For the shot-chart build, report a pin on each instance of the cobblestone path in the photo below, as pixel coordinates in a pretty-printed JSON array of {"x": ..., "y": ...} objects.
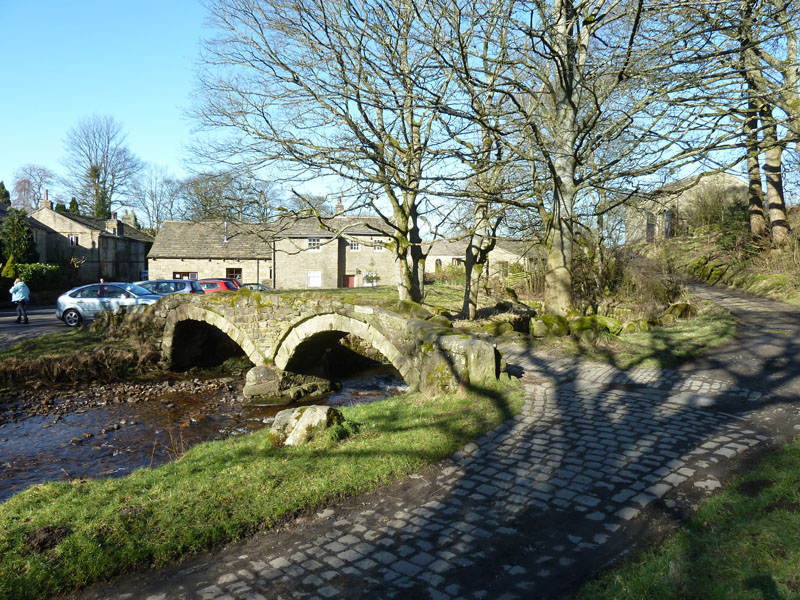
[{"x": 598, "y": 460}]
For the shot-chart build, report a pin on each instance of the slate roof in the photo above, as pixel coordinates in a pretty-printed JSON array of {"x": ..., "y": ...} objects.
[
  {"x": 189, "y": 239},
  {"x": 204, "y": 239},
  {"x": 348, "y": 225},
  {"x": 100, "y": 224}
]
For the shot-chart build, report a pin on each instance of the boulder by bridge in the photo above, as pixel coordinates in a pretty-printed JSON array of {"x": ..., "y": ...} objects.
[{"x": 289, "y": 337}]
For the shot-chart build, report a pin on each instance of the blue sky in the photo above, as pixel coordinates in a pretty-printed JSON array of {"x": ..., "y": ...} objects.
[{"x": 62, "y": 61}]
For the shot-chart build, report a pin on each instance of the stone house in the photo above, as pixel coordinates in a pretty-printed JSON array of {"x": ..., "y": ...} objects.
[
  {"x": 665, "y": 212},
  {"x": 107, "y": 248},
  {"x": 285, "y": 254},
  {"x": 502, "y": 257}
]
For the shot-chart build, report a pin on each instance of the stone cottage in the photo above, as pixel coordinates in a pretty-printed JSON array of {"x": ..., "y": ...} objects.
[
  {"x": 107, "y": 248},
  {"x": 284, "y": 254},
  {"x": 502, "y": 257},
  {"x": 664, "y": 212}
]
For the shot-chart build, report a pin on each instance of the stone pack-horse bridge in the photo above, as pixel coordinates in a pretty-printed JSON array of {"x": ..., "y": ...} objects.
[{"x": 289, "y": 338}]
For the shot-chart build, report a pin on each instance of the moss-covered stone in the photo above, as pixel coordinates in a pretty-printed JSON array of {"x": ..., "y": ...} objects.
[
  {"x": 498, "y": 327},
  {"x": 587, "y": 328},
  {"x": 682, "y": 310},
  {"x": 549, "y": 326},
  {"x": 297, "y": 426},
  {"x": 636, "y": 326}
]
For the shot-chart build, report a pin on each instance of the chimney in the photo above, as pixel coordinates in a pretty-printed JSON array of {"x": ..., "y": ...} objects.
[
  {"x": 113, "y": 216},
  {"x": 339, "y": 207},
  {"x": 47, "y": 202}
]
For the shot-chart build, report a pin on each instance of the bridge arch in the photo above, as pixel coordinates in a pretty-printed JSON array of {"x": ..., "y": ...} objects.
[
  {"x": 328, "y": 323},
  {"x": 188, "y": 312}
]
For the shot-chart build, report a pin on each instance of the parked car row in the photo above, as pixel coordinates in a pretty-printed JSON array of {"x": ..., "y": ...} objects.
[{"x": 82, "y": 303}]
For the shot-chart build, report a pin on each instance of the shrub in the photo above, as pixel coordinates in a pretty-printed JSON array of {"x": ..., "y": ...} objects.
[
  {"x": 40, "y": 276},
  {"x": 10, "y": 269}
]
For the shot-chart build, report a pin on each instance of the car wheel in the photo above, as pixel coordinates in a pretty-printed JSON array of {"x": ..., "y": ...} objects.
[{"x": 72, "y": 318}]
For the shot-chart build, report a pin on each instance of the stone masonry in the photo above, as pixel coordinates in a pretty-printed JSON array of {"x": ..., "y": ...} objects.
[{"x": 274, "y": 329}]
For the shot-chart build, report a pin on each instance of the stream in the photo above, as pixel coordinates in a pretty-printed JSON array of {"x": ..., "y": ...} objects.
[{"x": 119, "y": 437}]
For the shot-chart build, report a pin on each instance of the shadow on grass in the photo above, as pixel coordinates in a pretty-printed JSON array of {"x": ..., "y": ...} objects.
[{"x": 539, "y": 507}]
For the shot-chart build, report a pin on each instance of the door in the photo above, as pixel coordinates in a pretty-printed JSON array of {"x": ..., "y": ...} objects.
[
  {"x": 314, "y": 279},
  {"x": 349, "y": 281}
]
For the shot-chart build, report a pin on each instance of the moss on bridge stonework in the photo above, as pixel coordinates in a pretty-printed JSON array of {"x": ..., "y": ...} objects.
[{"x": 277, "y": 330}]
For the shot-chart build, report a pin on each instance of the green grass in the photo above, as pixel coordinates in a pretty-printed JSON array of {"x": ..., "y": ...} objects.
[
  {"x": 741, "y": 545},
  {"x": 670, "y": 345},
  {"x": 665, "y": 346},
  {"x": 222, "y": 491},
  {"x": 56, "y": 344}
]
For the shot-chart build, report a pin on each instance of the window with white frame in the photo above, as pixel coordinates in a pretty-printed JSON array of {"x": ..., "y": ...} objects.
[
  {"x": 73, "y": 240},
  {"x": 378, "y": 244},
  {"x": 313, "y": 243},
  {"x": 354, "y": 245}
]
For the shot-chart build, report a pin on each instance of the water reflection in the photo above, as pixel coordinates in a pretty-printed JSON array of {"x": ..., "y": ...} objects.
[{"x": 115, "y": 439}]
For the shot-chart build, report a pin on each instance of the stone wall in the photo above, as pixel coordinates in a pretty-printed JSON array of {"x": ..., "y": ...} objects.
[
  {"x": 253, "y": 270},
  {"x": 294, "y": 261}
]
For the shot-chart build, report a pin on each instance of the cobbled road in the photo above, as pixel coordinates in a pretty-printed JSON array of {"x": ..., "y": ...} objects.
[{"x": 599, "y": 462}]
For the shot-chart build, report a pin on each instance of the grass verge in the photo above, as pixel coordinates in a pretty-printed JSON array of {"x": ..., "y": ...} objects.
[
  {"x": 59, "y": 536},
  {"x": 664, "y": 346},
  {"x": 742, "y": 544},
  {"x": 56, "y": 344}
]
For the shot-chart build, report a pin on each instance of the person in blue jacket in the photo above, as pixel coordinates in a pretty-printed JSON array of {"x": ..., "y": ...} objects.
[{"x": 20, "y": 294}]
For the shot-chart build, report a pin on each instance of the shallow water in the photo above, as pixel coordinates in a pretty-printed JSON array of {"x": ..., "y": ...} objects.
[{"x": 116, "y": 439}]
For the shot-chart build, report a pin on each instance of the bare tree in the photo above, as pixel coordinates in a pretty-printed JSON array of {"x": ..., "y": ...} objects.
[
  {"x": 30, "y": 183},
  {"x": 325, "y": 88},
  {"x": 594, "y": 100},
  {"x": 100, "y": 167},
  {"x": 753, "y": 44},
  {"x": 229, "y": 196},
  {"x": 157, "y": 196}
]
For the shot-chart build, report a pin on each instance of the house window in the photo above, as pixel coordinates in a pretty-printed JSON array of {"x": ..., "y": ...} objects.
[
  {"x": 73, "y": 240},
  {"x": 438, "y": 265},
  {"x": 314, "y": 279},
  {"x": 234, "y": 273},
  {"x": 183, "y": 275},
  {"x": 370, "y": 279},
  {"x": 313, "y": 243},
  {"x": 354, "y": 245},
  {"x": 378, "y": 247}
]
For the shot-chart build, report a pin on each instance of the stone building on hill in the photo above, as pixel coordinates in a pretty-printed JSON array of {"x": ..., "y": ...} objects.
[{"x": 666, "y": 211}]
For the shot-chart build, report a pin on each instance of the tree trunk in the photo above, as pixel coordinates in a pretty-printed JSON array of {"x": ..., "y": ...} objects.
[
  {"x": 481, "y": 242},
  {"x": 558, "y": 277},
  {"x": 755, "y": 193},
  {"x": 773, "y": 156}
]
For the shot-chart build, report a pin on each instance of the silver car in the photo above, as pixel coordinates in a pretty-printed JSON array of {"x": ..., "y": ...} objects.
[
  {"x": 171, "y": 286},
  {"x": 83, "y": 303}
]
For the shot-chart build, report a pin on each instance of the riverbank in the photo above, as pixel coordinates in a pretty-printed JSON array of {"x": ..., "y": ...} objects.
[
  {"x": 16, "y": 405},
  {"x": 60, "y": 536}
]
